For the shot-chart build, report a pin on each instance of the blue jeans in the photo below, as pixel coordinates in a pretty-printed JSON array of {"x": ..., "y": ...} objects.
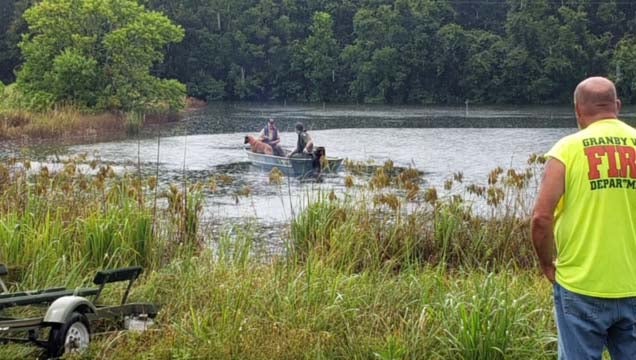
[{"x": 586, "y": 325}]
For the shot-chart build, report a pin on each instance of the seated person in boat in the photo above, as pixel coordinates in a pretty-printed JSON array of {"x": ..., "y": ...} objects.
[
  {"x": 305, "y": 144},
  {"x": 269, "y": 135}
]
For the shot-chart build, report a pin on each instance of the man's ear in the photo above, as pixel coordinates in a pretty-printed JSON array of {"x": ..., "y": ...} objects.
[
  {"x": 619, "y": 105},
  {"x": 577, "y": 113}
]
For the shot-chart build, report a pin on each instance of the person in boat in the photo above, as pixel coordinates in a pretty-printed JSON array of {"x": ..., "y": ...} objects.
[
  {"x": 269, "y": 135},
  {"x": 305, "y": 144}
]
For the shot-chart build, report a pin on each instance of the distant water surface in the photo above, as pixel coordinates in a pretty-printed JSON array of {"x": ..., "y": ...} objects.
[{"x": 439, "y": 141}]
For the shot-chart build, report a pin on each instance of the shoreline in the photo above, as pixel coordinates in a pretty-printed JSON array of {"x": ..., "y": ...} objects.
[{"x": 69, "y": 125}]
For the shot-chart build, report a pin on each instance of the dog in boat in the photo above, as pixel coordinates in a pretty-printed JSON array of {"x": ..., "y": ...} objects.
[
  {"x": 318, "y": 160},
  {"x": 258, "y": 146}
]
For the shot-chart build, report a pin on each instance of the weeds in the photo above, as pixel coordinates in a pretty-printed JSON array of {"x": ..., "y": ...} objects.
[
  {"x": 65, "y": 121},
  {"x": 483, "y": 226},
  {"x": 230, "y": 310},
  {"x": 80, "y": 218},
  {"x": 392, "y": 272}
]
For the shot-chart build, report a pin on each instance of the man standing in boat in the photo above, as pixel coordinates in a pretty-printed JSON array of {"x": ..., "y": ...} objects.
[
  {"x": 269, "y": 135},
  {"x": 305, "y": 144}
]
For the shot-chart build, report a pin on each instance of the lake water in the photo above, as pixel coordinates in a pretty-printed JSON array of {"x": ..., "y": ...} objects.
[{"x": 439, "y": 141}]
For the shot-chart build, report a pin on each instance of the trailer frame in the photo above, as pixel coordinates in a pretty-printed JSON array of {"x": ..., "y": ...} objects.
[{"x": 69, "y": 313}]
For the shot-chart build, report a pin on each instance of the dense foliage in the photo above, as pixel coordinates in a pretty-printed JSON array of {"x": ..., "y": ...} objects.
[
  {"x": 96, "y": 54},
  {"x": 397, "y": 51}
]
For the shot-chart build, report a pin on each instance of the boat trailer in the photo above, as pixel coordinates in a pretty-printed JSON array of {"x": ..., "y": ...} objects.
[{"x": 69, "y": 314}]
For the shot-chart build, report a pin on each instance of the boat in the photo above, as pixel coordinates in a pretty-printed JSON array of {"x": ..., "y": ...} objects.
[{"x": 294, "y": 166}]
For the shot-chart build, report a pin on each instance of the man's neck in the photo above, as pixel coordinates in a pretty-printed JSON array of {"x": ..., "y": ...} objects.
[{"x": 600, "y": 117}]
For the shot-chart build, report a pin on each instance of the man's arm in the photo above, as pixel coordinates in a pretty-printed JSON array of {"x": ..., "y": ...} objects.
[
  {"x": 293, "y": 152},
  {"x": 310, "y": 144},
  {"x": 550, "y": 192},
  {"x": 261, "y": 135}
]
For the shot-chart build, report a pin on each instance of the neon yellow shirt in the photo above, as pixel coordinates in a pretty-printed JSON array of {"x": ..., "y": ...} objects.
[{"x": 595, "y": 220}]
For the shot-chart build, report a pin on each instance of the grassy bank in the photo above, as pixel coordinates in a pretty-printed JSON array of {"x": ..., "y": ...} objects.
[
  {"x": 230, "y": 309},
  {"x": 384, "y": 271},
  {"x": 18, "y": 121},
  {"x": 227, "y": 309},
  {"x": 69, "y": 122}
]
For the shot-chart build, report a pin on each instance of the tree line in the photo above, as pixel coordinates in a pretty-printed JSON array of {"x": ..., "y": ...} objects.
[{"x": 365, "y": 51}]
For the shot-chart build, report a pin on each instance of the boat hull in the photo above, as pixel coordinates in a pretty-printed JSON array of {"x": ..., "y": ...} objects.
[{"x": 294, "y": 166}]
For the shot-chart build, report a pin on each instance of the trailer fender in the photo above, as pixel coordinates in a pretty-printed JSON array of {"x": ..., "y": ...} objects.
[{"x": 62, "y": 309}]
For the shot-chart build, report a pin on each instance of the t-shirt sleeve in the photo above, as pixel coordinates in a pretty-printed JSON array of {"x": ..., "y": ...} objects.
[{"x": 560, "y": 150}]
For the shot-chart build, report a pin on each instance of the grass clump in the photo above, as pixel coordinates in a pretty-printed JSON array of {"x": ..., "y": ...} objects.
[
  {"x": 57, "y": 224},
  {"x": 402, "y": 227},
  {"x": 19, "y": 120},
  {"x": 63, "y": 122},
  {"x": 227, "y": 310}
]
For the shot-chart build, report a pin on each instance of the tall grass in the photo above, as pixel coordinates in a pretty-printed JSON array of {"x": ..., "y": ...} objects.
[
  {"x": 63, "y": 122},
  {"x": 215, "y": 309},
  {"x": 387, "y": 272},
  {"x": 479, "y": 227},
  {"x": 19, "y": 119},
  {"x": 83, "y": 216}
]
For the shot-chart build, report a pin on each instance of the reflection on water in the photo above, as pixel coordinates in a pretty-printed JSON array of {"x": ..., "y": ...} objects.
[{"x": 437, "y": 141}]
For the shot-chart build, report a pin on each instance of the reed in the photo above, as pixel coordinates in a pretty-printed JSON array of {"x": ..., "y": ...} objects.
[
  {"x": 81, "y": 217},
  {"x": 63, "y": 122},
  {"x": 227, "y": 310},
  {"x": 70, "y": 121},
  {"x": 386, "y": 271},
  {"x": 473, "y": 227}
]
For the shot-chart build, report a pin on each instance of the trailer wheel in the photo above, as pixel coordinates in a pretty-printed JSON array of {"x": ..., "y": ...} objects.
[{"x": 71, "y": 337}]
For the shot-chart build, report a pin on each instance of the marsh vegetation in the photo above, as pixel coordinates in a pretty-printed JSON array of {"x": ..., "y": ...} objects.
[{"x": 384, "y": 269}]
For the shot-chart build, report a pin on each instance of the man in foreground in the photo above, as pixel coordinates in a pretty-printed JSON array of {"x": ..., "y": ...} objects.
[{"x": 586, "y": 210}]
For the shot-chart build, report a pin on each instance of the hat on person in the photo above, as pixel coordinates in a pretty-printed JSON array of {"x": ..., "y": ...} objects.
[
  {"x": 300, "y": 126},
  {"x": 271, "y": 121}
]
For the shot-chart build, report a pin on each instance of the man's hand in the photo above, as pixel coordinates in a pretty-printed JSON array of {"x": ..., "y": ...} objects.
[{"x": 549, "y": 271}]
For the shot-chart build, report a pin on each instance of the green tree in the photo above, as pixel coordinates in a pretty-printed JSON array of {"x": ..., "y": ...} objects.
[
  {"x": 481, "y": 15},
  {"x": 625, "y": 69},
  {"x": 422, "y": 21},
  {"x": 12, "y": 25},
  {"x": 414, "y": 51},
  {"x": 378, "y": 69},
  {"x": 530, "y": 26},
  {"x": 467, "y": 63},
  {"x": 572, "y": 53},
  {"x": 319, "y": 54},
  {"x": 97, "y": 53},
  {"x": 7, "y": 57},
  {"x": 288, "y": 80}
]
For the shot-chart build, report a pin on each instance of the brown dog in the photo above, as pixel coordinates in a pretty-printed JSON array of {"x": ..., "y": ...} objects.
[
  {"x": 319, "y": 159},
  {"x": 258, "y": 146}
]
